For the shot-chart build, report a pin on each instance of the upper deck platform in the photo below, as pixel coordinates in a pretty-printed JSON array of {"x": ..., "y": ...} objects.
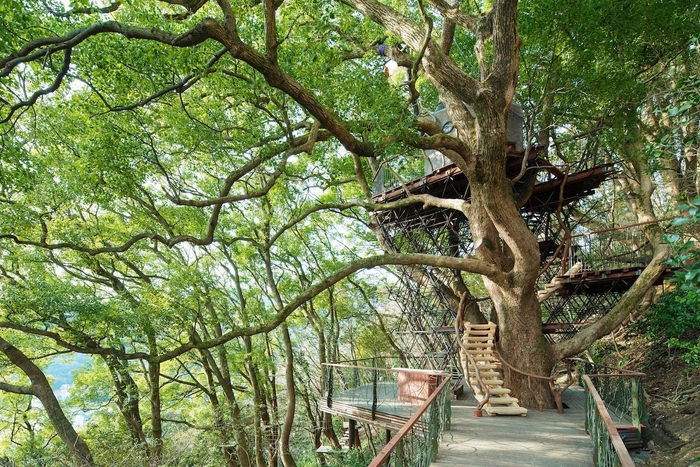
[{"x": 554, "y": 188}]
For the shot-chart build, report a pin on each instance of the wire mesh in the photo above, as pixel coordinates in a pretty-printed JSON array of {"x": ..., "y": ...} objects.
[
  {"x": 604, "y": 453},
  {"x": 416, "y": 445},
  {"x": 392, "y": 395}
]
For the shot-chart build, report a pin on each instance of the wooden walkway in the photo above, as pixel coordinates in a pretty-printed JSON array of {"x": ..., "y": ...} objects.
[{"x": 541, "y": 439}]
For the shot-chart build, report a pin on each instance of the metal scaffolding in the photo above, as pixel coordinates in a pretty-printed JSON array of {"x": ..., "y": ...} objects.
[{"x": 425, "y": 329}]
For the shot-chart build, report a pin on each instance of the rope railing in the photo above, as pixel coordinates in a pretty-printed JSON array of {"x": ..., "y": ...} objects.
[{"x": 556, "y": 390}]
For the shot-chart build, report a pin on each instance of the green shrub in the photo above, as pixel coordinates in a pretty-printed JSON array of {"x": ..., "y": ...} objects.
[{"x": 676, "y": 320}]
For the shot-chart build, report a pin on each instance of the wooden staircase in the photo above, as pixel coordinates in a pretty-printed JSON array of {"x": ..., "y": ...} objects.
[{"x": 483, "y": 370}]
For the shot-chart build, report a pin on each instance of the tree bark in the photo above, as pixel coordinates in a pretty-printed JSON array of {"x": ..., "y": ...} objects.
[
  {"x": 257, "y": 402},
  {"x": 286, "y": 454},
  {"x": 41, "y": 388},
  {"x": 127, "y": 400}
]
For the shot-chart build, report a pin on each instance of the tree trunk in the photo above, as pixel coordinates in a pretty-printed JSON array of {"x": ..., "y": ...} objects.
[
  {"x": 156, "y": 422},
  {"x": 220, "y": 370},
  {"x": 287, "y": 458},
  {"x": 257, "y": 402},
  {"x": 41, "y": 388},
  {"x": 127, "y": 400},
  {"x": 503, "y": 238},
  {"x": 326, "y": 420}
]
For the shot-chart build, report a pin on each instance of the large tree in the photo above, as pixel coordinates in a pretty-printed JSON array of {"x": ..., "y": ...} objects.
[{"x": 233, "y": 127}]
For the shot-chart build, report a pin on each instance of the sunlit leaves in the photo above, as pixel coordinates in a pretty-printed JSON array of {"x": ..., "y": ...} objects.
[{"x": 686, "y": 256}]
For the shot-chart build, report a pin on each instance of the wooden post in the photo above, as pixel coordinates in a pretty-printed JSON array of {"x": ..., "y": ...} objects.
[
  {"x": 635, "y": 404},
  {"x": 388, "y": 440},
  {"x": 351, "y": 434},
  {"x": 400, "y": 458}
]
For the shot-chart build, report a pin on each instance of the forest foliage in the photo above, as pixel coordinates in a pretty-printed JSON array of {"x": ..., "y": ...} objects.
[{"x": 189, "y": 227}]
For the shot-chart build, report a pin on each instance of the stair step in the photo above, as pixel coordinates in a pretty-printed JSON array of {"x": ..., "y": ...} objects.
[
  {"x": 486, "y": 366},
  {"x": 481, "y": 326},
  {"x": 499, "y": 391},
  {"x": 503, "y": 400},
  {"x": 479, "y": 350},
  {"x": 492, "y": 382},
  {"x": 485, "y": 358},
  {"x": 505, "y": 410},
  {"x": 478, "y": 345},
  {"x": 479, "y": 338},
  {"x": 484, "y": 374}
]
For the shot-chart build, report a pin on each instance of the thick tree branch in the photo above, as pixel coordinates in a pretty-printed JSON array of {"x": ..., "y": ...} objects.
[
  {"x": 463, "y": 264},
  {"x": 14, "y": 389},
  {"x": 615, "y": 317},
  {"x": 42, "y": 92},
  {"x": 436, "y": 65},
  {"x": 454, "y": 15},
  {"x": 38, "y": 49},
  {"x": 506, "y": 50}
]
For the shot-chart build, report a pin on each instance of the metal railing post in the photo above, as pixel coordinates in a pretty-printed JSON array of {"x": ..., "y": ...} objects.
[
  {"x": 374, "y": 393},
  {"x": 400, "y": 458},
  {"x": 433, "y": 430},
  {"x": 329, "y": 395},
  {"x": 634, "y": 409}
]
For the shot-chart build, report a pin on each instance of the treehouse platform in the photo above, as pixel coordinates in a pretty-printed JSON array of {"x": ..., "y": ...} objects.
[
  {"x": 554, "y": 190},
  {"x": 384, "y": 397},
  {"x": 604, "y": 281},
  {"x": 552, "y": 205},
  {"x": 579, "y": 299}
]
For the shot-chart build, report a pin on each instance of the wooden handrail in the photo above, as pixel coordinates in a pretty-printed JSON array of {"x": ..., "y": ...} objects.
[
  {"x": 617, "y": 371},
  {"x": 618, "y": 444},
  {"x": 393, "y": 370},
  {"x": 386, "y": 451}
]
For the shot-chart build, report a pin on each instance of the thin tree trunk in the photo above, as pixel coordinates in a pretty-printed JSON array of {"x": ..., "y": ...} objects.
[
  {"x": 287, "y": 458},
  {"x": 41, "y": 388},
  {"x": 326, "y": 420},
  {"x": 156, "y": 421},
  {"x": 257, "y": 402},
  {"x": 127, "y": 400}
]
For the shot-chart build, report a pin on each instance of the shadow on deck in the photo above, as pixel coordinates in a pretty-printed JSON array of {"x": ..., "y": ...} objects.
[{"x": 543, "y": 438}]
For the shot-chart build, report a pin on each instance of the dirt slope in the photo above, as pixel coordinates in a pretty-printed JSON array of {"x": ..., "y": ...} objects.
[{"x": 673, "y": 400}]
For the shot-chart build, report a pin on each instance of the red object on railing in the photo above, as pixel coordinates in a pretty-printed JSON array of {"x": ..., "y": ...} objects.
[{"x": 416, "y": 385}]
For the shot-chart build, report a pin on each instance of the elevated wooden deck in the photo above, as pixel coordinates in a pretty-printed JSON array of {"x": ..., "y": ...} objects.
[
  {"x": 609, "y": 280},
  {"x": 450, "y": 182},
  {"x": 542, "y": 439},
  {"x": 391, "y": 413}
]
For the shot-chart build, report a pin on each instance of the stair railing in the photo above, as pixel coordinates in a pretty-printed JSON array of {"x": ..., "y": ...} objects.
[{"x": 556, "y": 390}]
